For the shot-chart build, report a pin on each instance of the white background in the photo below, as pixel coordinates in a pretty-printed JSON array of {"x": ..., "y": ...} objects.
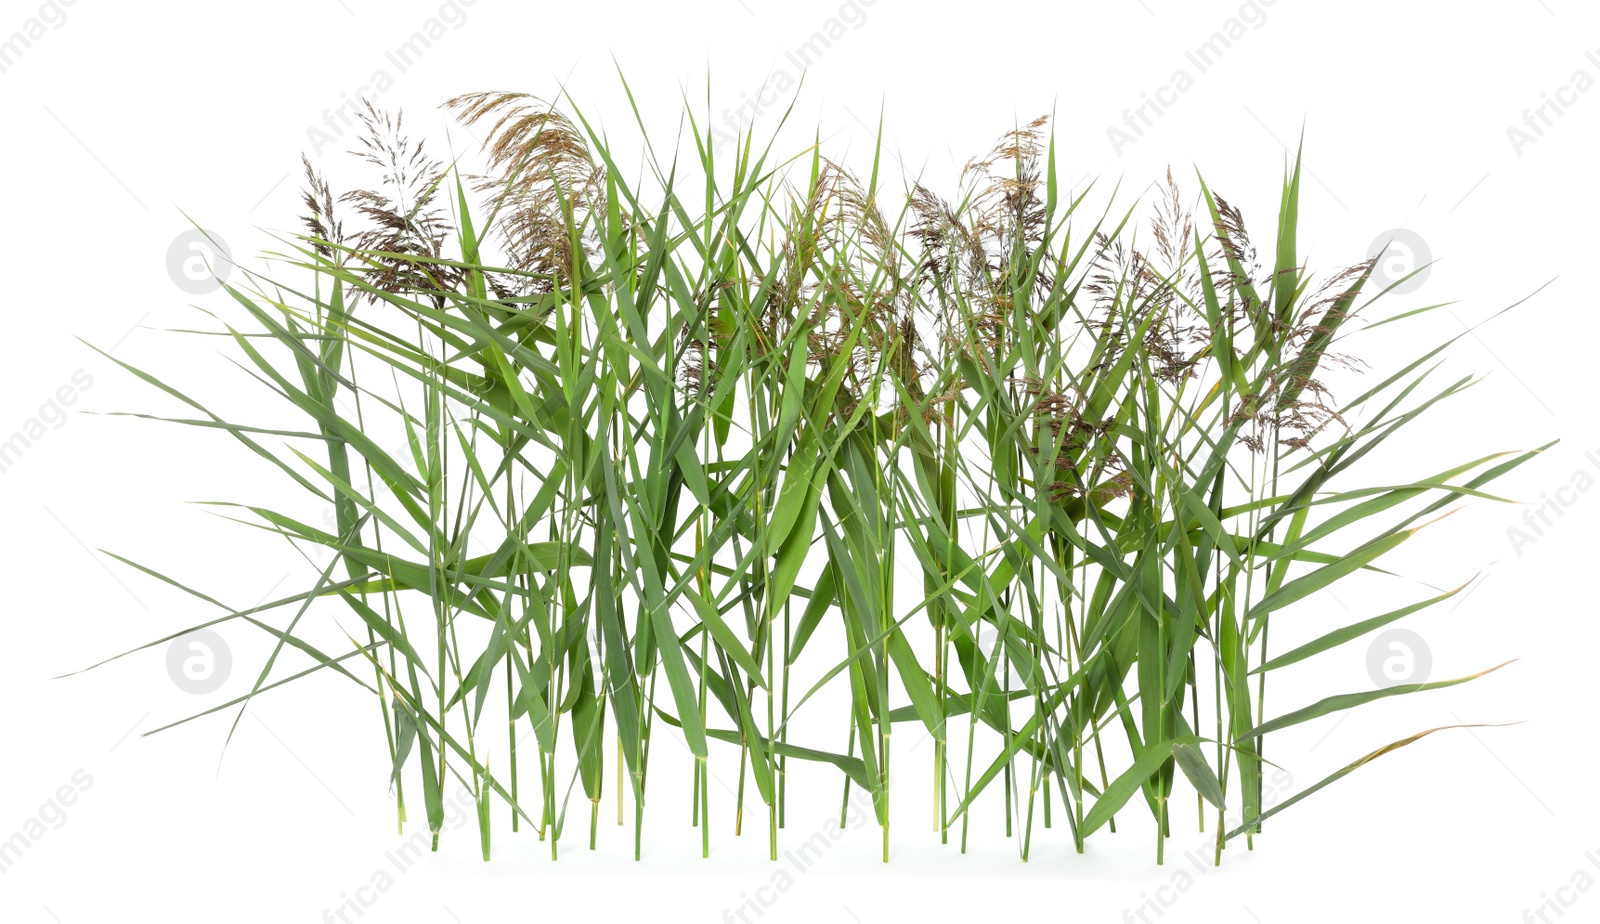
[{"x": 126, "y": 113}]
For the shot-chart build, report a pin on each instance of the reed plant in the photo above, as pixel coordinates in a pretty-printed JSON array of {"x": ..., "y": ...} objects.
[{"x": 605, "y": 459}]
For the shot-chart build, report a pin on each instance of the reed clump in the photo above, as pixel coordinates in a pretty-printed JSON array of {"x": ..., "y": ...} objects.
[{"x": 606, "y": 457}]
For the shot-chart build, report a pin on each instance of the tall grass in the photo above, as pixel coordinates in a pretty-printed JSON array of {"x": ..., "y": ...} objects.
[{"x": 619, "y": 454}]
